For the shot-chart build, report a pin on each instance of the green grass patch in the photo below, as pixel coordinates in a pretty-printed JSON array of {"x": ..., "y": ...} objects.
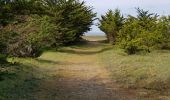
[
  {"x": 150, "y": 71},
  {"x": 20, "y": 81}
]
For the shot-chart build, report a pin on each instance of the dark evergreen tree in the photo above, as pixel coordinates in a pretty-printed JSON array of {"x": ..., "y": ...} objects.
[
  {"x": 75, "y": 18},
  {"x": 37, "y": 23}
]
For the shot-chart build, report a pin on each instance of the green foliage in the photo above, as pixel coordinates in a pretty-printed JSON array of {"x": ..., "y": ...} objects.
[
  {"x": 37, "y": 24},
  {"x": 5, "y": 16},
  {"x": 111, "y": 23},
  {"x": 143, "y": 33},
  {"x": 3, "y": 58},
  {"x": 74, "y": 17},
  {"x": 139, "y": 34},
  {"x": 31, "y": 36},
  {"x": 2, "y": 41},
  {"x": 4, "y": 38},
  {"x": 164, "y": 27}
]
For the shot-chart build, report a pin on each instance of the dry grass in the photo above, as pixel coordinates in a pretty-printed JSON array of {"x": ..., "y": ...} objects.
[
  {"x": 150, "y": 72},
  {"x": 95, "y": 38}
]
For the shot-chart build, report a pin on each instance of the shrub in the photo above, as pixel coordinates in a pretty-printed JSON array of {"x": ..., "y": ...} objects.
[
  {"x": 74, "y": 17},
  {"x": 111, "y": 23},
  {"x": 139, "y": 33},
  {"x": 4, "y": 37},
  {"x": 164, "y": 27},
  {"x": 142, "y": 33},
  {"x": 31, "y": 36},
  {"x": 37, "y": 24},
  {"x": 2, "y": 58}
]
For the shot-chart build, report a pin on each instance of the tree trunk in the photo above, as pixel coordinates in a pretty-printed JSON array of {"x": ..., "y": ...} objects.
[{"x": 111, "y": 38}]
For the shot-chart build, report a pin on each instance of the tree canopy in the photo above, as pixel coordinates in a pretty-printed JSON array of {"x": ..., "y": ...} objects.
[
  {"x": 28, "y": 26},
  {"x": 111, "y": 23},
  {"x": 143, "y": 32}
]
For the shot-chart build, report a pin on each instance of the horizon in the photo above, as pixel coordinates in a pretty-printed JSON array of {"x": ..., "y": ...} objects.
[{"x": 126, "y": 7}]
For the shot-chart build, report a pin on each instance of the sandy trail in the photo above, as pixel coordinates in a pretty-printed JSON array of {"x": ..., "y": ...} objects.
[{"x": 81, "y": 77}]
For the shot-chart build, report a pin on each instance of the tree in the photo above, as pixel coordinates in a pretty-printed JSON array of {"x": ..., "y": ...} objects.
[
  {"x": 75, "y": 18},
  {"x": 140, "y": 33},
  {"x": 111, "y": 23},
  {"x": 36, "y": 24},
  {"x": 164, "y": 27}
]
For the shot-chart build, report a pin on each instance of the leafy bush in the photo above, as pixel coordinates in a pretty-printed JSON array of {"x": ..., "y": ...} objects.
[
  {"x": 2, "y": 58},
  {"x": 31, "y": 25},
  {"x": 144, "y": 32},
  {"x": 74, "y": 17},
  {"x": 31, "y": 36},
  {"x": 164, "y": 27},
  {"x": 4, "y": 37},
  {"x": 111, "y": 23},
  {"x": 139, "y": 34}
]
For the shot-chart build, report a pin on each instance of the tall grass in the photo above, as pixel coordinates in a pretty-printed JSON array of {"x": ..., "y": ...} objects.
[{"x": 149, "y": 71}]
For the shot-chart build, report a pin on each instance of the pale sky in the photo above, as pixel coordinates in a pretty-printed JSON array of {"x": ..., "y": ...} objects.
[{"x": 161, "y": 7}]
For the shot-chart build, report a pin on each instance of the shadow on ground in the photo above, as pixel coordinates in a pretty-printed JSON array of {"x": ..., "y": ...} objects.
[
  {"x": 87, "y": 48},
  {"x": 77, "y": 89},
  {"x": 45, "y": 61},
  {"x": 73, "y": 51}
]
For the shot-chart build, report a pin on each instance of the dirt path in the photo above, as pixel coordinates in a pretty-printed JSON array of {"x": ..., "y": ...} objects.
[{"x": 78, "y": 75}]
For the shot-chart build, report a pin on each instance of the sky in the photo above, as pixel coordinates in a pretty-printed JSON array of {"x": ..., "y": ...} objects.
[{"x": 161, "y": 7}]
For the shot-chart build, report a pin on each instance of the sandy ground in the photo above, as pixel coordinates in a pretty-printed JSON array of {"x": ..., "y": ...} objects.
[{"x": 81, "y": 77}]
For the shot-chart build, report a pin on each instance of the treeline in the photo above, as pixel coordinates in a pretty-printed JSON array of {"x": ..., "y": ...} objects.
[
  {"x": 28, "y": 26},
  {"x": 141, "y": 33}
]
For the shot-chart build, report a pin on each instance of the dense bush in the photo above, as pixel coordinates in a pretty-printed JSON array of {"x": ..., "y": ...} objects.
[
  {"x": 111, "y": 23},
  {"x": 164, "y": 27},
  {"x": 31, "y": 36},
  {"x": 4, "y": 37},
  {"x": 140, "y": 33},
  {"x": 144, "y": 32},
  {"x": 74, "y": 17},
  {"x": 28, "y": 26}
]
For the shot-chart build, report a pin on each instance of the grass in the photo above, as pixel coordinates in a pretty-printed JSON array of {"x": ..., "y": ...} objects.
[
  {"x": 95, "y": 38},
  {"x": 16, "y": 82},
  {"x": 150, "y": 71},
  {"x": 21, "y": 81}
]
